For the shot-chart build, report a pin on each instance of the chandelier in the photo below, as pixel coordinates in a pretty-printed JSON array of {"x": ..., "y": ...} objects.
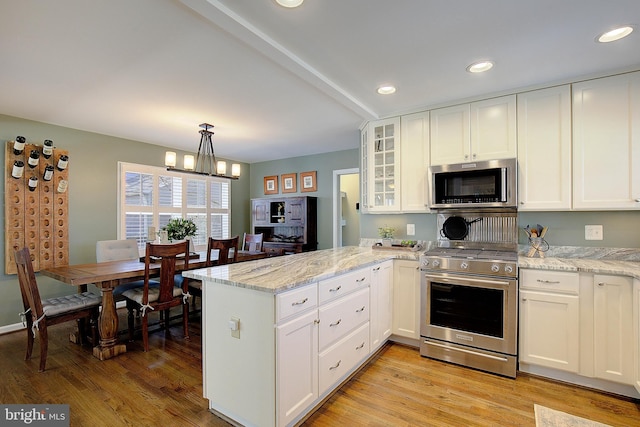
[{"x": 205, "y": 162}]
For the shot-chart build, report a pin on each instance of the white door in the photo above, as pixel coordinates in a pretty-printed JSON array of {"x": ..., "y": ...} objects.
[
  {"x": 606, "y": 143},
  {"x": 297, "y": 366},
  {"x": 544, "y": 149},
  {"x": 613, "y": 327},
  {"x": 549, "y": 330},
  {"x": 406, "y": 299}
]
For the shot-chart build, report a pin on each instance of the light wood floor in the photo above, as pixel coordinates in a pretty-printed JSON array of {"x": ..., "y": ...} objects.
[{"x": 398, "y": 388}]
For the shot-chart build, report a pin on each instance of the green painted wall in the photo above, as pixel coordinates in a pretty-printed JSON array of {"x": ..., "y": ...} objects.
[
  {"x": 93, "y": 165},
  {"x": 324, "y": 165}
]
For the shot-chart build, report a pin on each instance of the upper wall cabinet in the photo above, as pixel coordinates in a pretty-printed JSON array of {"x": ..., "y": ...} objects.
[
  {"x": 414, "y": 162},
  {"x": 544, "y": 149},
  {"x": 381, "y": 166},
  {"x": 606, "y": 143},
  {"x": 482, "y": 130}
]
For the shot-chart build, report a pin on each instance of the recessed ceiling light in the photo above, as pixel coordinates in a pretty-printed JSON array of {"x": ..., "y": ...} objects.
[
  {"x": 289, "y": 3},
  {"x": 480, "y": 67},
  {"x": 615, "y": 34},
  {"x": 386, "y": 90}
]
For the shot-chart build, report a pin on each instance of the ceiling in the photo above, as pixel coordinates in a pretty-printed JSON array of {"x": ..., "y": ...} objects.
[{"x": 280, "y": 83}]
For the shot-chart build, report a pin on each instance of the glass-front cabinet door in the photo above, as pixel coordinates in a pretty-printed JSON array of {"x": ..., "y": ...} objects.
[{"x": 381, "y": 153}]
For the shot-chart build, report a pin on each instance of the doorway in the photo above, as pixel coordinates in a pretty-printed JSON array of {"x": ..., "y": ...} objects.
[{"x": 346, "y": 215}]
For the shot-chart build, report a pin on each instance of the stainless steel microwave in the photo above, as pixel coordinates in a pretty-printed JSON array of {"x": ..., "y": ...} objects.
[{"x": 483, "y": 184}]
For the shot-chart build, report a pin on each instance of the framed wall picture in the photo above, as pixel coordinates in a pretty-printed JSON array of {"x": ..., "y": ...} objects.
[
  {"x": 308, "y": 181},
  {"x": 271, "y": 184},
  {"x": 289, "y": 182}
]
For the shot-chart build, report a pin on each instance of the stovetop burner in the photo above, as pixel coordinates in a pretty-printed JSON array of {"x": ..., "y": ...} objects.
[{"x": 476, "y": 254}]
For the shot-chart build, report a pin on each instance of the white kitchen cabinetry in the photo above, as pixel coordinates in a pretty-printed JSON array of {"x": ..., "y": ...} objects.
[
  {"x": 544, "y": 149},
  {"x": 380, "y": 146},
  {"x": 381, "y": 303},
  {"x": 297, "y": 368},
  {"x": 482, "y": 130},
  {"x": 406, "y": 299},
  {"x": 414, "y": 162},
  {"x": 549, "y": 319},
  {"x": 613, "y": 328},
  {"x": 606, "y": 143}
]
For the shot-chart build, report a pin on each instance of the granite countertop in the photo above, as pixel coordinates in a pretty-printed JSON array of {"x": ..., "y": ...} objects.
[
  {"x": 624, "y": 262},
  {"x": 278, "y": 274}
]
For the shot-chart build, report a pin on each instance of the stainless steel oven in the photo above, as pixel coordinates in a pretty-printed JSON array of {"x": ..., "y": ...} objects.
[
  {"x": 470, "y": 320},
  {"x": 469, "y": 292}
]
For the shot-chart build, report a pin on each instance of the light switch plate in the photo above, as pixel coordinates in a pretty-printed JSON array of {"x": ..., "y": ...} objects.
[
  {"x": 593, "y": 232},
  {"x": 411, "y": 229}
]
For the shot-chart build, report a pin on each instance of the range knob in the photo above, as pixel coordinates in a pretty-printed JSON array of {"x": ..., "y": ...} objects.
[
  {"x": 495, "y": 268},
  {"x": 425, "y": 263},
  {"x": 509, "y": 269},
  {"x": 464, "y": 265},
  {"x": 436, "y": 263}
]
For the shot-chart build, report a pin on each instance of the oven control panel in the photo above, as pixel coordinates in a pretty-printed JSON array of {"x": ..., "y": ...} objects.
[{"x": 470, "y": 266}]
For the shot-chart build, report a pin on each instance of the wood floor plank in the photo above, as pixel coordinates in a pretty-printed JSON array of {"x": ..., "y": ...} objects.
[{"x": 398, "y": 388}]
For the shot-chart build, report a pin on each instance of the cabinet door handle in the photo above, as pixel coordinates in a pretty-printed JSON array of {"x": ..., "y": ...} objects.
[
  {"x": 376, "y": 269},
  {"x": 601, "y": 284},
  {"x": 360, "y": 280},
  {"x": 336, "y": 323},
  {"x": 316, "y": 321},
  {"x": 331, "y": 368},
  {"x": 551, "y": 282},
  {"x": 300, "y": 302},
  {"x": 360, "y": 346},
  {"x": 524, "y": 299},
  {"x": 336, "y": 289},
  {"x": 360, "y": 310}
]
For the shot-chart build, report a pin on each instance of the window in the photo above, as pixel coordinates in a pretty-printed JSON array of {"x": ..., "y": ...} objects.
[{"x": 150, "y": 196}]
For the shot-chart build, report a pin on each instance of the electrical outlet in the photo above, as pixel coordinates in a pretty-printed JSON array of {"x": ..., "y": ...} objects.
[
  {"x": 234, "y": 326},
  {"x": 411, "y": 229},
  {"x": 593, "y": 232}
]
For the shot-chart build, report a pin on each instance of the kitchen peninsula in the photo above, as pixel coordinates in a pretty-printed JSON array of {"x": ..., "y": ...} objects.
[{"x": 280, "y": 334}]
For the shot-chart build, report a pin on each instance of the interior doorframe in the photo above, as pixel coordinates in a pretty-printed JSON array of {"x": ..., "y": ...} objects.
[{"x": 336, "y": 201}]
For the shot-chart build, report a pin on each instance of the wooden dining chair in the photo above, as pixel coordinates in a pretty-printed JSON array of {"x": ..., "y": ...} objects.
[
  {"x": 163, "y": 297},
  {"x": 252, "y": 242},
  {"x": 227, "y": 253},
  {"x": 39, "y": 314},
  {"x": 120, "y": 250}
]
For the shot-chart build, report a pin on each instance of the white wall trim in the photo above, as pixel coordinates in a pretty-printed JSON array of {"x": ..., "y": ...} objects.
[{"x": 336, "y": 200}]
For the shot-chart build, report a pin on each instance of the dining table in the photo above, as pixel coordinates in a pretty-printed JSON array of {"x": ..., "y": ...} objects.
[{"x": 106, "y": 276}]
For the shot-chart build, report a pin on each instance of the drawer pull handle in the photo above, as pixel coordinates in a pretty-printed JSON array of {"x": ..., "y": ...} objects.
[
  {"x": 360, "y": 310},
  {"x": 360, "y": 346},
  {"x": 336, "y": 323},
  {"x": 335, "y": 289},
  {"x": 331, "y": 368},
  {"x": 360, "y": 280},
  {"x": 300, "y": 302},
  {"x": 554, "y": 282},
  {"x": 601, "y": 284},
  {"x": 376, "y": 269}
]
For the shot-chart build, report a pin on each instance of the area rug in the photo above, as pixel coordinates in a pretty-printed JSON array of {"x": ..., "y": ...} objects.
[{"x": 546, "y": 417}]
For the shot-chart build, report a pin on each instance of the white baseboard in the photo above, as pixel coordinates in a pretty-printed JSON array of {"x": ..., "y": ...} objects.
[{"x": 6, "y": 329}]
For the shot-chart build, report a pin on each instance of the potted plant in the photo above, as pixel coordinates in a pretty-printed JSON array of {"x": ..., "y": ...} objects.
[
  {"x": 180, "y": 229},
  {"x": 386, "y": 233}
]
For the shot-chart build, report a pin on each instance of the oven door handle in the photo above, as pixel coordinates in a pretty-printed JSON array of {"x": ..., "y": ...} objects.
[{"x": 447, "y": 279}]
